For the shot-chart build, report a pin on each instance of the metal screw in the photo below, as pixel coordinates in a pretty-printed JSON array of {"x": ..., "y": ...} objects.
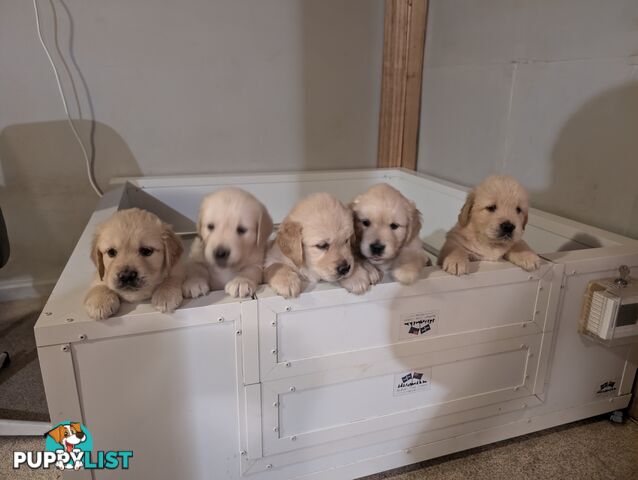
[
  {"x": 69, "y": 320},
  {"x": 524, "y": 325},
  {"x": 287, "y": 364},
  {"x": 526, "y": 376},
  {"x": 292, "y": 389},
  {"x": 530, "y": 278},
  {"x": 48, "y": 313},
  {"x": 288, "y": 308},
  {"x": 408, "y": 451},
  {"x": 243, "y": 453},
  {"x": 523, "y": 346},
  {"x": 530, "y": 354},
  {"x": 273, "y": 323},
  {"x": 269, "y": 466},
  {"x": 82, "y": 337},
  {"x": 220, "y": 319},
  {"x": 275, "y": 404},
  {"x": 537, "y": 312},
  {"x": 293, "y": 438},
  {"x": 274, "y": 351},
  {"x": 65, "y": 348},
  {"x": 275, "y": 429},
  {"x": 524, "y": 405},
  {"x": 540, "y": 288},
  {"x": 238, "y": 332},
  {"x": 516, "y": 388}
]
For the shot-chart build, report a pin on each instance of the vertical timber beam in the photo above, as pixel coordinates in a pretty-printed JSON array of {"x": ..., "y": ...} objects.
[{"x": 403, "y": 47}]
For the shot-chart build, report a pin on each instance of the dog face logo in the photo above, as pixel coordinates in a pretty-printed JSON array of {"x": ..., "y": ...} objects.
[
  {"x": 68, "y": 435},
  {"x": 72, "y": 439}
]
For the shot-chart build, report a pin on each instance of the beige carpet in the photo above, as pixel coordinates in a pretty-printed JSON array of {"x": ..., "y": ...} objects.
[{"x": 587, "y": 450}]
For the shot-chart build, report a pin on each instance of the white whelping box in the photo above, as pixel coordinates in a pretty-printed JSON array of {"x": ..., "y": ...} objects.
[{"x": 332, "y": 385}]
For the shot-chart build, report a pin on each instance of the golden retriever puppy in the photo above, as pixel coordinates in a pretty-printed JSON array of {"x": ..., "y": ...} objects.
[
  {"x": 228, "y": 253},
  {"x": 315, "y": 242},
  {"x": 137, "y": 258},
  {"x": 490, "y": 227},
  {"x": 387, "y": 226}
]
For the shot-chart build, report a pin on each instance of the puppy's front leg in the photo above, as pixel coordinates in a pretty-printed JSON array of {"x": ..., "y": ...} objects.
[
  {"x": 197, "y": 282},
  {"x": 455, "y": 261},
  {"x": 374, "y": 273},
  {"x": 168, "y": 295},
  {"x": 523, "y": 256},
  {"x": 101, "y": 302},
  {"x": 358, "y": 281},
  {"x": 245, "y": 283},
  {"x": 283, "y": 280},
  {"x": 408, "y": 266}
]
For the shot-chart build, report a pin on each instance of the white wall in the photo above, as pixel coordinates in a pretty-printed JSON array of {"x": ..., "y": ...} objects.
[
  {"x": 177, "y": 87},
  {"x": 545, "y": 90}
]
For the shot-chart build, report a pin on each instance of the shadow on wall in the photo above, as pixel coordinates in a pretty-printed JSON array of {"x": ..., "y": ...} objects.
[
  {"x": 45, "y": 193},
  {"x": 594, "y": 175},
  {"x": 341, "y": 40}
]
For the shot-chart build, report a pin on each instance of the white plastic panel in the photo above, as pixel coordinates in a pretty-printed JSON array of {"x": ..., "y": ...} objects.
[
  {"x": 163, "y": 395},
  {"x": 326, "y": 329},
  {"x": 309, "y": 410}
]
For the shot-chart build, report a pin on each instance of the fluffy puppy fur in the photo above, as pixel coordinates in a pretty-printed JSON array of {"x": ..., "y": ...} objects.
[
  {"x": 315, "y": 242},
  {"x": 490, "y": 226},
  {"x": 137, "y": 258},
  {"x": 387, "y": 226},
  {"x": 228, "y": 253}
]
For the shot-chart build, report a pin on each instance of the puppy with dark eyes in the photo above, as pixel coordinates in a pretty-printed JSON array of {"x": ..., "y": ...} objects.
[
  {"x": 232, "y": 233},
  {"x": 137, "y": 258},
  {"x": 315, "y": 242},
  {"x": 490, "y": 227},
  {"x": 387, "y": 226}
]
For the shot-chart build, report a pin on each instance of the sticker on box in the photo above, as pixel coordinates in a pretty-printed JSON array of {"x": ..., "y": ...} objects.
[
  {"x": 417, "y": 325},
  {"x": 412, "y": 381}
]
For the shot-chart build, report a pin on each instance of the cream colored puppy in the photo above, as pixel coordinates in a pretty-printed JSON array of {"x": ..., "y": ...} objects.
[
  {"x": 490, "y": 227},
  {"x": 387, "y": 226},
  {"x": 137, "y": 258},
  {"x": 315, "y": 242},
  {"x": 232, "y": 232}
]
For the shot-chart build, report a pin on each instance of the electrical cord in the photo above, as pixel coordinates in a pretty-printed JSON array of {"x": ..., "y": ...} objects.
[{"x": 89, "y": 169}]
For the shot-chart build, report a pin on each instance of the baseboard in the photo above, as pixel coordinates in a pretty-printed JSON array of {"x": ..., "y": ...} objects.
[{"x": 24, "y": 287}]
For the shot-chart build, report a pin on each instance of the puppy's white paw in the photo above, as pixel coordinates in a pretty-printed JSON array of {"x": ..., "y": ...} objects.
[
  {"x": 456, "y": 265},
  {"x": 60, "y": 465},
  {"x": 287, "y": 284},
  {"x": 78, "y": 465},
  {"x": 406, "y": 274},
  {"x": 241, "y": 287},
  {"x": 527, "y": 260},
  {"x": 167, "y": 299},
  {"x": 102, "y": 304},
  {"x": 374, "y": 273},
  {"x": 358, "y": 282},
  {"x": 195, "y": 287}
]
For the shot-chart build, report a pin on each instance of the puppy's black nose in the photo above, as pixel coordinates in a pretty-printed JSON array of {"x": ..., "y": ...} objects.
[
  {"x": 128, "y": 276},
  {"x": 343, "y": 268},
  {"x": 507, "y": 228},
  {"x": 221, "y": 253},
  {"x": 377, "y": 248},
  {"x": 80, "y": 435}
]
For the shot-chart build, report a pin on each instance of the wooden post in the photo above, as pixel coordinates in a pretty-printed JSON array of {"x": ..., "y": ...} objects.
[{"x": 403, "y": 46}]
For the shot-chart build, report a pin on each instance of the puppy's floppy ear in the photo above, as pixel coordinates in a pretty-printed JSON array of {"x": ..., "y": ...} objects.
[
  {"x": 57, "y": 433},
  {"x": 466, "y": 211},
  {"x": 172, "y": 246},
  {"x": 96, "y": 255},
  {"x": 358, "y": 230},
  {"x": 414, "y": 223},
  {"x": 289, "y": 241},
  {"x": 264, "y": 227},
  {"x": 76, "y": 427}
]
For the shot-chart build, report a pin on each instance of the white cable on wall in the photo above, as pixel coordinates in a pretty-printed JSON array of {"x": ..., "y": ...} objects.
[{"x": 89, "y": 169}]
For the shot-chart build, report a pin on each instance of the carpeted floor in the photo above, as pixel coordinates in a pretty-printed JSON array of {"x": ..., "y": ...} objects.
[{"x": 588, "y": 450}]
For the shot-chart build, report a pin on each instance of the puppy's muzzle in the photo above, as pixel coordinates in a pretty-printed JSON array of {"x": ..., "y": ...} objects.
[
  {"x": 377, "y": 248},
  {"x": 221, "y": 255},
  {"x": 343, "y": 268},
  {"x": 128, "y": 278},
  {"x": 506, "y": 229},
  {"x": 80, "y": 435}
]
